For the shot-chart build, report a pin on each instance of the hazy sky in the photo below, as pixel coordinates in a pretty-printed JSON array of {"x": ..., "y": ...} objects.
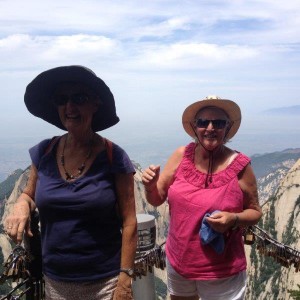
[{"x": 157, "y": 57}]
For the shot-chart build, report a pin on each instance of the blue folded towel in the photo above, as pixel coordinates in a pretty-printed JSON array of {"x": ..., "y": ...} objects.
[{"x": 209, "y": 236}]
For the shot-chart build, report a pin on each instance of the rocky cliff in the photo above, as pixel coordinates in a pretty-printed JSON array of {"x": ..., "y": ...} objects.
[
  {"x": 5, "y": 242},
  {"x": 281, "y": 218}
]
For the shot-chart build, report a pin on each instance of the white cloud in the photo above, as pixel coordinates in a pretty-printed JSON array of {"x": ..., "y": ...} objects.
[
  {"x": 76, "y": 45},
  {"x": 157, "y": 52},
  {"x": 197, "y": 56},
  {"x": 24, "y": 50}
]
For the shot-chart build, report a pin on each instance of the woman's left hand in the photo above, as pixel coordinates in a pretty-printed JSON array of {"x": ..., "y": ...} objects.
[
  {"x": 123, "y": 292},
  {"x": 221, "y": 221}
]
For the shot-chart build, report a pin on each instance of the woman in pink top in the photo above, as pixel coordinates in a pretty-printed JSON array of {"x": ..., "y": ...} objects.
[{"x": 212, "y": 193}]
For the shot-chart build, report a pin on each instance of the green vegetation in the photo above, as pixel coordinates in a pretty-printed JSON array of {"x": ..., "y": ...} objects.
[
  {"x": 297, "y": 204},
  {"x": 295, "y": 294},
  {"x": 269, "y": 224},
  {"x": 265, "y": 268},
  {"x": 291, "y": 234}
]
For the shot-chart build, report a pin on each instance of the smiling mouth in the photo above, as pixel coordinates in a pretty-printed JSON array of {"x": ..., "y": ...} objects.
[
  {"x": 72, "y": 117},
  {"x": 210, "y": 136}
]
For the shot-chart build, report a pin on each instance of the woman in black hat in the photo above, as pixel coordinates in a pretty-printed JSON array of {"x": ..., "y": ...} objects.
[
  {"x": 83, "y": 187},
  {"x": 212, "y": 193}
]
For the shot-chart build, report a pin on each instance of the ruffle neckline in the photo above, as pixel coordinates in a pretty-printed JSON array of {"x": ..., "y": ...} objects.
[{"x": 197, "y": 178}]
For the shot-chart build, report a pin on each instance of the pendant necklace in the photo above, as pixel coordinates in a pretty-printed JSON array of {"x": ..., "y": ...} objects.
[{"x": 80, "y": 169}]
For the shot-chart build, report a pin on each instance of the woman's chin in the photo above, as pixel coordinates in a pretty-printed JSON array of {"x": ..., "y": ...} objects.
[
  {"x": 211, "y": 144},
  {"x": 72, "y": 125}
]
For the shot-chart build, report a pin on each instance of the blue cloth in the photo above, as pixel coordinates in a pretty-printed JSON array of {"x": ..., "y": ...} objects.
[
  {"x": 211, "y": 237},
  {"x": 80, "y": 229}
]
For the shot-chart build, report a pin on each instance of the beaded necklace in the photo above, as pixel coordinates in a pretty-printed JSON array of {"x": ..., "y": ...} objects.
[{"x": 80, "y": 169}]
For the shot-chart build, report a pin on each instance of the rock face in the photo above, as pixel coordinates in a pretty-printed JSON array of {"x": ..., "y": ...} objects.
[
  {"x": 281, "y": 217},
  {"x": 5, "y": 242},
  {"x": 268, "y": 185}
]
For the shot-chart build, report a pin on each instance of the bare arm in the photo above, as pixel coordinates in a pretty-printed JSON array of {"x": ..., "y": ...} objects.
[
  {"x": 126, "y": 202},
  {"x": 18, "y": 221},
  {"x": 252, "y": 211},
  {"x": 157, "y": 185},
  {"x": 222, "y": 221}
]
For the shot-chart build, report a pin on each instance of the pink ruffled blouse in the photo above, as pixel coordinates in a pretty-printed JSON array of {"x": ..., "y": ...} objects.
[{"x": 189, "y": 201}]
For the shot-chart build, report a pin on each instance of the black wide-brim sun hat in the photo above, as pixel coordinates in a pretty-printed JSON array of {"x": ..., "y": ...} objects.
[{"x": 39, "y": 92}]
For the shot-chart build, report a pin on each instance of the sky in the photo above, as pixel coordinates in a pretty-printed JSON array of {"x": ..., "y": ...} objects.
[{"x": 158, "y": 57}]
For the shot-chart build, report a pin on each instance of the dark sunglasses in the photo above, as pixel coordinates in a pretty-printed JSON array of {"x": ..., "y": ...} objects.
[
  {"x": 77, "y": 99},
  {"x": 217, "y": 124}
]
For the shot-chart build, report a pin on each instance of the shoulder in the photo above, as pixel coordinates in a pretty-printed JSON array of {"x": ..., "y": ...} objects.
[
  {"x": 113, "y": 147},
  {"x": 117, "y": 148},
  {"x": 39, "y": 150},
  {"x": 41, "y": 146},
  {"x": 239, "y": 158},
  {"x": 177, "y": 155},
  {"x": 185, "y": 150},
  {"x": 247, "y": 172},
  {"x": 174, "y": 161},
  {"x": 179, "y": 152},
  {"x": 121, "y": 163}
]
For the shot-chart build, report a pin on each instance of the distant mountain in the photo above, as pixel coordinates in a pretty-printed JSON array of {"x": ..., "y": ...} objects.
[
  {"x": 293, "y": 110},
  {"x": 264, "y": 164},
  {"x": 271, "y": 168}
]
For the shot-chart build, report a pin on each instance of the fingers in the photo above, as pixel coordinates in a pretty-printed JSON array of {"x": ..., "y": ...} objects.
[
  {"x": 220, "y": 221},
  {"x": 150, "y": 174},
  {"x": 15, "y": 231},
  {"x": 217, "y": 215},
  {"x": 123, "y": 293},
  {"x": 18, "y": 222}
]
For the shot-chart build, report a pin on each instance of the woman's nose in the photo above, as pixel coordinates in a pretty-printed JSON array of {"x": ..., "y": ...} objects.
[
  {"x": 70, "y": 104},
  {"x": 210, "y": 126}
]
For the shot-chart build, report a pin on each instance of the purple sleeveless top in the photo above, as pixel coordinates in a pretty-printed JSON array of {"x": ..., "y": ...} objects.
[
  {"x": 80, "y": 230},
  {"x": 189, "y": 201}
]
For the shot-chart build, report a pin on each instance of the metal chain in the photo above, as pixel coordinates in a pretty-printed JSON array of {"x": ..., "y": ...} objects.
[
  {"x": 16, "y": 270},
  {"x": 266, "y": 245},
  {"x": 155, "y": 257}
]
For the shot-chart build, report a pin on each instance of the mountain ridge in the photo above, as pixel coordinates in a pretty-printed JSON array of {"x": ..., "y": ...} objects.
[{"x": 284, "y": 110}]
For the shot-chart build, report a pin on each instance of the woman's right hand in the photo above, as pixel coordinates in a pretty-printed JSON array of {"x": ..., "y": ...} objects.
[
  {"x": 18, "y": 222},
  {"x": 150, "y": 177}
]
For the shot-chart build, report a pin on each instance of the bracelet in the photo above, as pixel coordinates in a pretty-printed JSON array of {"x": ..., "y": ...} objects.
[{"x": 235, "y": 224}]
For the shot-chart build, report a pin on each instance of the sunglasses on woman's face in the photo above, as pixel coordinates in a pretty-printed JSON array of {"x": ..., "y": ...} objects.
[
  {"x": 77, "y": 99},
  {"x": 217, "y": 124}
]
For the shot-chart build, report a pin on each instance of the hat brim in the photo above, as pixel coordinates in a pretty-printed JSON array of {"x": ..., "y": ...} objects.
[
  {"x": 230, "y": 107},
  {"x": 38, "y": 96}
]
